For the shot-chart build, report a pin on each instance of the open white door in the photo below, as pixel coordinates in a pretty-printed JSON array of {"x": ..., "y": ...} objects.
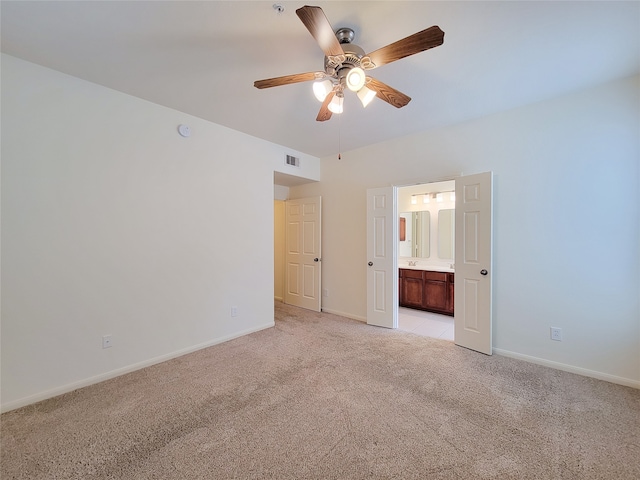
[
  {"x": 473, "y": 268},
  {"x": 303, "y": 253},
  {"x": 382, "y": 263}
]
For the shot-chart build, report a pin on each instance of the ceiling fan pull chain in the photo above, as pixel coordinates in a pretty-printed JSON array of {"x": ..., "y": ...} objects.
[{"x": 339, "y": 137}]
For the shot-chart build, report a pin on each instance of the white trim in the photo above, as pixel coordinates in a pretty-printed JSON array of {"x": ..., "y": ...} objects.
[
  {"x": 121, "y": 371},
  {"x": 570, "y": 368},
  {"x": 414, "y": 182}
]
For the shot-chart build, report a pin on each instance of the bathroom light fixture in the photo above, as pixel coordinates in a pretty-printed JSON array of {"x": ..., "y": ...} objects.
[{"x": 427, "y": 196}]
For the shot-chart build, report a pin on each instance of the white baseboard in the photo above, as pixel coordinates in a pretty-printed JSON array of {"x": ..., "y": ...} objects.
[
  {"x": 163, "y": 358},
  {"x": 570, "y": 368},
  {"x": 539, "y": 361},
  {"x": 121, "y": 371}
]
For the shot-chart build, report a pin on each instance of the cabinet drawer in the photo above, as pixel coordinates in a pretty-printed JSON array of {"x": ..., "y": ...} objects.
[
  {"x": 437, "y": 276},
  {"x": 406, "y": 273}
]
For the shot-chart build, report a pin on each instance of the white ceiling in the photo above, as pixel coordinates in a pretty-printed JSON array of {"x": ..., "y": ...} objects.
[{"x": 202, "y": 58}]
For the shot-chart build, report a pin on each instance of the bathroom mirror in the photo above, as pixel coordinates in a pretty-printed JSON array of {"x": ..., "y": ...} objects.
[
  {"x": 414, "y": 234},
  {"x": 446, "y": 221}
]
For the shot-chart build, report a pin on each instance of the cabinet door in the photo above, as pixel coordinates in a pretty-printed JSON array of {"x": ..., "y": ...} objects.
[
  {"x": 435, "y": 291},
  {"x": 412, "y": 289},
  {"x": 435, "y": 295}
]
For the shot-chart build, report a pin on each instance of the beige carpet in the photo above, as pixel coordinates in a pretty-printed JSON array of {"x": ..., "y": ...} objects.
[{"x": 324, "y": 397}]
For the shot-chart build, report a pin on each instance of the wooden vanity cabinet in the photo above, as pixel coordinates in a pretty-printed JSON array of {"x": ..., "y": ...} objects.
[
  {"x": 411, "y": 288},
  {"x": 426, "y": 290},
  {"x": 435, "y": 291}
]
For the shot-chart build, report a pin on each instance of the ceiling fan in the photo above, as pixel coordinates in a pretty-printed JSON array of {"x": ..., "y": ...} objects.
[{"x": 345, "y": 64}]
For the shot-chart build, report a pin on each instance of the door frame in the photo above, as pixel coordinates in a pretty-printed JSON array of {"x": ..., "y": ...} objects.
[
  {"x": 456, "y": 253},
  {"x": 308, "y": 252}
]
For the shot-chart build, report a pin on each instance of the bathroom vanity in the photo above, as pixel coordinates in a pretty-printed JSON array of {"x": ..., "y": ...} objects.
[
  {"x": 426, "y": 290},
  {"x": 426, "y": 247}
]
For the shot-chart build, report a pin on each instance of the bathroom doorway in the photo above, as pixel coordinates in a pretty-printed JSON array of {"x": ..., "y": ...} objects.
[
  {"x": 472, "y": 287},
  {"x": 426, "y": 246}
]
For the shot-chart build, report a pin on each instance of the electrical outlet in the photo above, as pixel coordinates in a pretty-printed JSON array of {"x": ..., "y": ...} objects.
[
  {"x": 325, "y": 292},
  {"x": 234, "y": 311},
  {"x": 107, "y": 341},
  {"x": 556, "y": 334}
]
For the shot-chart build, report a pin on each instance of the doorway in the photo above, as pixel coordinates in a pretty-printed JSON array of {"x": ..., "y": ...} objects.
[
  {"x": 426, "y": 242},
  {"x": 472, "y": 287},
  {"x": 302, "y": 273},
  {"x": 297, "y": 252}
]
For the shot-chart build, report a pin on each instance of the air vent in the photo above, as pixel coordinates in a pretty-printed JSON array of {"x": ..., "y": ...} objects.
[{"x": 291, "y": 160}]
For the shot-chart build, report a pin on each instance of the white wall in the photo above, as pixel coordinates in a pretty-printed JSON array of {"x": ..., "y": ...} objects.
[
  {"x": 280, "y": 192},
  {"x": 566, "y": 251},
  {"x": 112, "y": 223}
]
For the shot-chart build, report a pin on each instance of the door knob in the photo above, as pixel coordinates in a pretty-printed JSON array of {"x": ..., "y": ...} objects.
[
  {"x": 483, "y": 272},
  {"x": 370, "y": 264},
  {"x": 315, "y": 259}
]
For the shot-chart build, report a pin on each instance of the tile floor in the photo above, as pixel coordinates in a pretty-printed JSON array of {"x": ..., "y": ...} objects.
[{"x": 425, "y": 323}]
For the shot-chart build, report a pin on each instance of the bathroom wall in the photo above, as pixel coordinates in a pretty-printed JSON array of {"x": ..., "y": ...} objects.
[{"x": 433, "y": 207}]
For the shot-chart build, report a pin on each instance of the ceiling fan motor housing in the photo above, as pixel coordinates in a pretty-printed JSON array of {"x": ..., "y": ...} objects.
[
  {"x": 345, "y": 35},
  {"x": 338, "y": 66}
]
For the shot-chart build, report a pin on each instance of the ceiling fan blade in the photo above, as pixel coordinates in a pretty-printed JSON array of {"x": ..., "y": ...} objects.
[
  {"x": 324, "y": 113},
  {"x": 287, "y": 79},
  {"x": 416, "y": 43},
  {"x": 318, "y": 25},
  {"x": 388, "y": 94}
]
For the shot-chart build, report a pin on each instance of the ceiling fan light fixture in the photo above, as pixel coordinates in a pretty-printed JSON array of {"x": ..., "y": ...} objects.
[
  {"x": 321, "y": 89},
  {"x": 355, "y": 79},
  {"x": 335, "y": 106},
  {"x": 366, "y": 95},
  {"x": 345, "y": 63}
]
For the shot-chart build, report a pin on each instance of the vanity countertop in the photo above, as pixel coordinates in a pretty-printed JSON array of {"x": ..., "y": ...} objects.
[{"x": 428, "y": 268}]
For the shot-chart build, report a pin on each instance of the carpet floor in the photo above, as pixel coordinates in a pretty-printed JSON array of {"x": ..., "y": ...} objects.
[{"x": 324, "y": 397}]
